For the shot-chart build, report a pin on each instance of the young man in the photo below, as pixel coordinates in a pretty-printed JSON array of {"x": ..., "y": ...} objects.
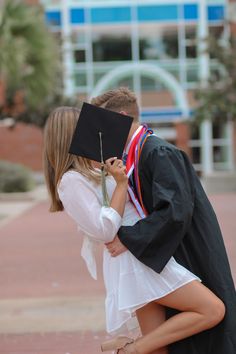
[{"x": 177, "y": 220}]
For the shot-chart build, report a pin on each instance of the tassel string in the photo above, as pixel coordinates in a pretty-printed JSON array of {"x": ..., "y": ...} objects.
[{"x": 106, "y": 201}]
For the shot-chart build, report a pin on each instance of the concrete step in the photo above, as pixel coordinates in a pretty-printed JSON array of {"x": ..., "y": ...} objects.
[
  {"x": 219, "y": 182},
  {"x": 52, "y": 314}
]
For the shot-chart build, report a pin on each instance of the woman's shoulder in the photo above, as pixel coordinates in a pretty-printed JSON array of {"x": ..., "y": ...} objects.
[
  {"x": 72, "y": 174},
  {"x": 71, "y": 177}
]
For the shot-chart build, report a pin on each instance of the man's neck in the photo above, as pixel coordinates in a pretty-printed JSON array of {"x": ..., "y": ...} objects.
[{"x": 133, "y": 130}]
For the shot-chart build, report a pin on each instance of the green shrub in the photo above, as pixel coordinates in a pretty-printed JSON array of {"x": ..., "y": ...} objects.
[{"x": 15, "y": 178}]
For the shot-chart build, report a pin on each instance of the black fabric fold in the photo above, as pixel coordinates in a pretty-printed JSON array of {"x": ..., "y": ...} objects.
[{"x": 183, "y": 224}]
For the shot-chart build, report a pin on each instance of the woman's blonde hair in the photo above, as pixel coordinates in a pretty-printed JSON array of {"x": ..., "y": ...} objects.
[{"x": 58, "y": 133}]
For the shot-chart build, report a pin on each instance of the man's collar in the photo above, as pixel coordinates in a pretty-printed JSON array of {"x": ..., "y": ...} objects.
[{"x": 131, "y": 140}]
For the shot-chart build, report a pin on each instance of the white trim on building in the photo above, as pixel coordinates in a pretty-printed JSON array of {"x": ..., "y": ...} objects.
[{"x": 179, "y": 74}]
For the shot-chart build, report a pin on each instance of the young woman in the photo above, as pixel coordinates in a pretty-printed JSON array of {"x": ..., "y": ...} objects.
[{"x": 132, "y": 287}]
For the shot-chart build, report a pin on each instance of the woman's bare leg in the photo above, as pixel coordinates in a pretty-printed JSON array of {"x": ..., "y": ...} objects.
[
  {"x": 150, "y": 317},
  {"x": 201, "y": 310}
]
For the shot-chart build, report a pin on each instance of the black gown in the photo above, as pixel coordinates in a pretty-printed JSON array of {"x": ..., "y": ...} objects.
[{"x": 181, "y": 223}]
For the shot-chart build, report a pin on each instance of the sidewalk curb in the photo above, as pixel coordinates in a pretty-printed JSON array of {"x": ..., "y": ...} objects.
[
  {"x": 12, "y": 197},
  {"x": 52, "y": 314},
  {"x": 39, "y": 192},
  {"x": 13, "y": 205}
]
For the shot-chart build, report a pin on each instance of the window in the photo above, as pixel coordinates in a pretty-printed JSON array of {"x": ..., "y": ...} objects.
[
  {"x": 215, "y": 32},
  {"x": 191, "y": 42},
  {"x": 80, "y": 79},
  {"x": 125, "y": 82},
  {"x": 220, "y": 145},
  {"x": 220, "y": 154},
  {"x": 196, "y": 155},
  {"x": 192, "y": 73},
  {"x": 158, "y": 42},
  {"x": 98, "y": 76},
  {"x": 149, "y": 84},
  {"x": 108, "y": 47},
  {"x": 195, "y": 145},
  {"x": 78, "y": 37},
  {"x": 78, "y": 40},
  {"x": 111, "y": 43},
  {"x": 79, "y": 56}
]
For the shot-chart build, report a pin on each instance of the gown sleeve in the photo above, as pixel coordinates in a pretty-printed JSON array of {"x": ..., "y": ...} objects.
[
  {"x": 154, "y": 239},
  {"x": 81, "y": 202}
]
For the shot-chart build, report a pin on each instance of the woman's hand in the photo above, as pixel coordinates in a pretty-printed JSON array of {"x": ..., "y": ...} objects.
[
  {"x": 115, "y": 247},
  {"x": 117, "y": 169}
]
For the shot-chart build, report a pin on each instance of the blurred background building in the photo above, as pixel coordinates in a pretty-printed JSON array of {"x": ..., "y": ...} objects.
[{"x": 154, "y": 48}]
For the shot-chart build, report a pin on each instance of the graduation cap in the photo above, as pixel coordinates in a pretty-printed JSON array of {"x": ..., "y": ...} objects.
[{"x": 99, "y": 135}]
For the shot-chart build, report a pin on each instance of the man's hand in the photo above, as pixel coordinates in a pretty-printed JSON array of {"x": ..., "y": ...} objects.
[{"x": 115, "y": 247}]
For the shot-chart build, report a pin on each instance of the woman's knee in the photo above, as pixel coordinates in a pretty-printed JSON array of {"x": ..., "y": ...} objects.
[{"x": 214, "y": 313}]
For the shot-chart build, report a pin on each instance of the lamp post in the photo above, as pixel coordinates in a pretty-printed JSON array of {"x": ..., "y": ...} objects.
[
  {"x": 232, "y": 11},
  {"x": 67, "y": 49}
]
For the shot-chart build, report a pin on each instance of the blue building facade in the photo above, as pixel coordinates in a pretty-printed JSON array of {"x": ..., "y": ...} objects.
[{"x": 153, "y": 47}]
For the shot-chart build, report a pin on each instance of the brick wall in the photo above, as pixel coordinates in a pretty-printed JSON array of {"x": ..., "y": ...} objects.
[
  {"x": 233, "y": 24},
  {"x": 32, "y": 2},
  {"x": 2, "y": 92},
  {"x": 22, "y": 144},
  {"x": 234, "y": 143},
  {"x": 157, "y": 98},
  {"x": 164, "y": 98},
  {"x": 183, "y": 137}
]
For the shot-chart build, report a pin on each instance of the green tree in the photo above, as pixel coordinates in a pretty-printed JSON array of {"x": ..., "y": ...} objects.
[
  {"x": 217, "y": 101},
  {"x": 39, "y": 116},
  {"x": 29, "y": 56}
]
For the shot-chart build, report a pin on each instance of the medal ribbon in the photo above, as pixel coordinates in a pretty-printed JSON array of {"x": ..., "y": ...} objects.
[{"x": 133, "y": 157}]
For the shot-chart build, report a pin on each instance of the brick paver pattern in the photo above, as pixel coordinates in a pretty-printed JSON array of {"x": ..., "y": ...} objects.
[{"x": 49, "y": 304}]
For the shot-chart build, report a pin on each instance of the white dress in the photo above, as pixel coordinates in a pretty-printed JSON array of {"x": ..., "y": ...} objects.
[{"x": 129, "y": 283}]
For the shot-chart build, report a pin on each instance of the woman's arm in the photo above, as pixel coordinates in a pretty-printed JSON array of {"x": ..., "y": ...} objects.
[
  {"x": 81, "y": 202},
  {"x": 116, "y": 168},
  {"x": 119, "y": 198}
]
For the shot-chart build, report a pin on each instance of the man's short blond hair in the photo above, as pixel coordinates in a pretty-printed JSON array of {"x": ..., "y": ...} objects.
[{"x": 121, "y": 99}]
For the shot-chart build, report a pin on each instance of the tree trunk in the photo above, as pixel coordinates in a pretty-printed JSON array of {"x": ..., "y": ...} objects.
[{"x": 2, "y": 92}]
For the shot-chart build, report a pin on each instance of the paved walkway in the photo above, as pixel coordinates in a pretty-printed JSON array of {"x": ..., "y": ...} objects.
[{"x": 48, "y": 302}]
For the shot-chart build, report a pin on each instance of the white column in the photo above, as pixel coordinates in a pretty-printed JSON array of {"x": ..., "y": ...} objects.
[
  {"x": 204, "y": 70},
  {"x": 89, "y": 52},
  {"x": 67, "y": 53},
  {"x": 231, "y": 10},
  {"x": 231, "y": 16},
  {"x": 182, "y": 45},
  {"x": 135, "y": 52},
  {"x": 230, "y": 138},
  {"x": 206, "y": 147}
]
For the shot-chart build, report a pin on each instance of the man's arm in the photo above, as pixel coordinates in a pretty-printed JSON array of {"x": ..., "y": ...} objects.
[{"x": 154, "y": 239}]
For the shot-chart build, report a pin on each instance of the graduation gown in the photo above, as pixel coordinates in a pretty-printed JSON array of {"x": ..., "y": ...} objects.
[{"x": 181, "y": 223}]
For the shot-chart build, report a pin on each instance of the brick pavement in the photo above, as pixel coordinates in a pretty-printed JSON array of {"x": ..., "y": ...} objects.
[
  {"x": 48, "y": 302},
  {"x": 45, "y": 289},
  {"x": 84, "y": 342}
]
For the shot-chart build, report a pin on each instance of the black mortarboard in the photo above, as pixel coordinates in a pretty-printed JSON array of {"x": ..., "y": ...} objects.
[
  {"x": 114, "y": 128},
  {"x": 99, "y": 135}
]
